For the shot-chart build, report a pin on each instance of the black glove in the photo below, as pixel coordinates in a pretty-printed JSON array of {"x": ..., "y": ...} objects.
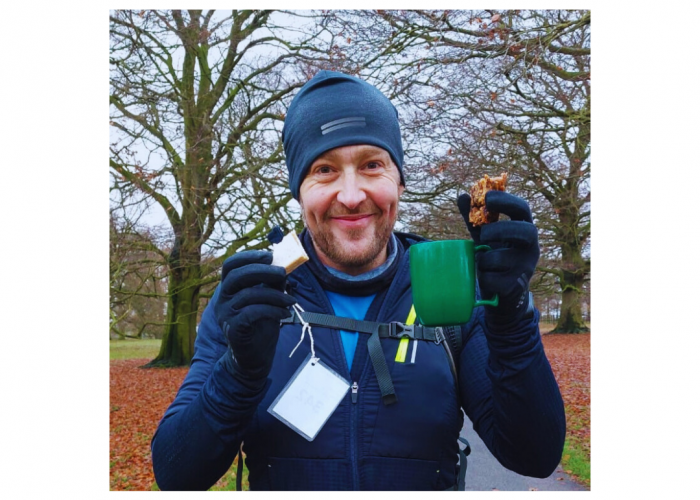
[
  {"x": 250, "y": 306},
  {"x": 506, "y": 269}
]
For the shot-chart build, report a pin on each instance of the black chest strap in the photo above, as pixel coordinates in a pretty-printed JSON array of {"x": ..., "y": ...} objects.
[{"x": 394, "y": 329}]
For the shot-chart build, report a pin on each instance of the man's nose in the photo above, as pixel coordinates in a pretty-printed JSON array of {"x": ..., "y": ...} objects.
[{"x": 351, "y": 192}]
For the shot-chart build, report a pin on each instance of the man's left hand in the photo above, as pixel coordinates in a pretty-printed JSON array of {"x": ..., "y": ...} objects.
[{"x": 507, "y": 268}]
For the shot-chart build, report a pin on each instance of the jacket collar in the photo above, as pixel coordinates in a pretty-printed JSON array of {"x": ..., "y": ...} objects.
[{"x": 355, "y": 287}]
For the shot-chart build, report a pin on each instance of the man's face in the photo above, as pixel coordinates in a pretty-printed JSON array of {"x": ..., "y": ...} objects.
[{"x": 349, "y": 200}]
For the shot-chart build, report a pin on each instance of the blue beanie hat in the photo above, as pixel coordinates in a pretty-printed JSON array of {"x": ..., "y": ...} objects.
[{"x": 333, "y": 110}]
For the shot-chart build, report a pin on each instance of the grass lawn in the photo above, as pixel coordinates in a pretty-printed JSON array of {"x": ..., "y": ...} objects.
[
  {"x": 134, "y": 348},
  {"x": 546, "y": 327}
]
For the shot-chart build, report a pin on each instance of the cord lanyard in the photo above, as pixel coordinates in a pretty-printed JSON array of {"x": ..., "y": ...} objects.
[{"x": 312, "y": 394}]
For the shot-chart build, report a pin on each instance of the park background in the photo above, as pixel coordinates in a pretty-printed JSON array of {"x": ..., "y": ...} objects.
[
  {"x": 630, "y": 321},
  {"x": 197, "y": 104}
]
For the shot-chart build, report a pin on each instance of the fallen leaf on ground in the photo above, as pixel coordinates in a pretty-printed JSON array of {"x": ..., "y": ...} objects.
[{"x": 141, "y": 396}]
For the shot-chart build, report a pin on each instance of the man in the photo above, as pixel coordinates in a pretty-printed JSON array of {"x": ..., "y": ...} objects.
[{"x": 345, "y": 159}]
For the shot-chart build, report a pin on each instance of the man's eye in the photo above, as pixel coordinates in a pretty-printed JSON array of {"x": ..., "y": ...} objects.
[
  {"x": 373, "y": 165},
  {"x": 323, "y": 170}
]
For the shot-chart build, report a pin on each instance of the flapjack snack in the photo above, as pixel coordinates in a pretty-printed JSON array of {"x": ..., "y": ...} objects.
[{"x": 478, "y": 215}]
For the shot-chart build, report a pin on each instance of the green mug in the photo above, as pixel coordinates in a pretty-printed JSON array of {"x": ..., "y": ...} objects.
[{"x": 443, "y": 281}]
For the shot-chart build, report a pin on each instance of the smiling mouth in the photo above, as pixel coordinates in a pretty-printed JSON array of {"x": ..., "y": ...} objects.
[
  {"x": 351, "y": 217},
  {"x": 354, "y": 221}
]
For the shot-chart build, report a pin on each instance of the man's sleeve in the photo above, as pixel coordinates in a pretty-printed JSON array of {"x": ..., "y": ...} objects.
[
  {"x": 510, "y": 394},
  {"x": 199, "y": 435}
]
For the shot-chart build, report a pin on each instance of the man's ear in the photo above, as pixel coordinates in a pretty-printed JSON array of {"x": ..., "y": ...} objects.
[
  {"x": 303, "y": 217},
  {"x": 401, "y": 187}
]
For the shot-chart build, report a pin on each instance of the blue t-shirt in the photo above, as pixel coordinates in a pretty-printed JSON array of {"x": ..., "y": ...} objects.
[
  {"x": 349, "y": 307},
  {"x": 356, "y": 307}
]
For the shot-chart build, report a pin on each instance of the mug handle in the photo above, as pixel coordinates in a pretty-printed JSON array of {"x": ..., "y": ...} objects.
[{"x": 494, "y": 301}]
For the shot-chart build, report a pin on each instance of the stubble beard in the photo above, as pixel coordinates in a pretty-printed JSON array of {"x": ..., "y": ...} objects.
[{"x": 328, "y": 243}]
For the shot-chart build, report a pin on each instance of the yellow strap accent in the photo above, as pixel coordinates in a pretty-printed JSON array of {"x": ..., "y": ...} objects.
[
  {"x": 411, "y": 316},
  {"x": 403, "y": 347},
  {"x": 403, "y": 343}
]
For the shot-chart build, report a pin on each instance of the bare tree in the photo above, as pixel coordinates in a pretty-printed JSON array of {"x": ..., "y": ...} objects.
[
  {"x": 197, "y": 100},
  {"x": 138, "y": 278},
  {"x": 490, "y": 92}
]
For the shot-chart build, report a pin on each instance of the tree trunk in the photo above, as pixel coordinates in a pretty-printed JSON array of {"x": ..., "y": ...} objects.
[
  {"x": 177, "y": 346},
  {"x": 574, "y": 271},
  {"x": 570, "y": 317}
]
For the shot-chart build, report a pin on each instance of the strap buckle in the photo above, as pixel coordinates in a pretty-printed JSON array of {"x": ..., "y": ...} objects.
[{"x": 399, "y": 330}]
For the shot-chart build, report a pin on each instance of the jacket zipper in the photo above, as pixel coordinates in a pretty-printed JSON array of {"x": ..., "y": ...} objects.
[
  {"x": 316, "y": 287},
  {"x": 353, "y": 438}
]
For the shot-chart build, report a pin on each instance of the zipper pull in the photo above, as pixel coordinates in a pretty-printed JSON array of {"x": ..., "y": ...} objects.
[{"x": 354, "y": 392}]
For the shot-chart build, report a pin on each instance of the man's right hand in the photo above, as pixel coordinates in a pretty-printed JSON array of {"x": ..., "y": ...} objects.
[{"x": 250, "y": 306}]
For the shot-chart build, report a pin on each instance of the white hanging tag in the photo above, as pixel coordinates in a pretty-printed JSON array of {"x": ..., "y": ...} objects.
[{"x": 309, "y": 398}]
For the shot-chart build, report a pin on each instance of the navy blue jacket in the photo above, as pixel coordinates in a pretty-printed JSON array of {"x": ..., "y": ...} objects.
[{"x": 506, "y": 388}]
